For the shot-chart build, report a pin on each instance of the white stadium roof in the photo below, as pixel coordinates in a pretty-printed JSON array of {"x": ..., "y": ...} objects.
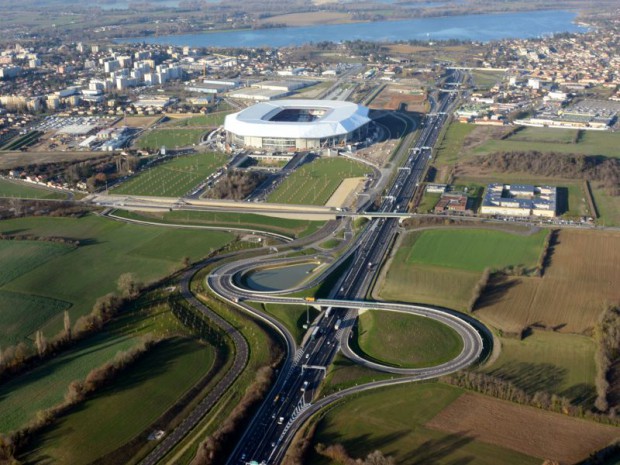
[{"x": 339, "y": 118}]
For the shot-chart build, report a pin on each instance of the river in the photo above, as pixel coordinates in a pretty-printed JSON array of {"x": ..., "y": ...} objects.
[{"x": 481, "y": 28}]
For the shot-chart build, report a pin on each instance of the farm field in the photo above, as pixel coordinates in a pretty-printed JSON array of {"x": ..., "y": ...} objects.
[
  {"x": 110, "y": 248},
  {"x": 580, "y": 280},
  {"x": 403, "y": 340},
  {"x": 139, "y": 397},
  {"x": 523, "y": 429},
  {"x": 394, "y": 420},
  {"x": 561, "y": 364},
  {"x": 210, "y": 120},
  {"x": 435, "y": 271},
  {"x": 287, "y": 227},
  {"x": 169, "y": 138},
  {"x": 22, "y": 190},
  {"x": 174, "y": 178},
  {"x": 315, "y": 182},
  {"x": 307, "y": 19},
  {"x": 449, "y": 149}
]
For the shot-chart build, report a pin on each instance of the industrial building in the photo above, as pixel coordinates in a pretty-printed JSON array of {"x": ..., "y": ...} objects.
[
  {"x": 288, "y": 125},
  {"x": 519, "y": 200}
]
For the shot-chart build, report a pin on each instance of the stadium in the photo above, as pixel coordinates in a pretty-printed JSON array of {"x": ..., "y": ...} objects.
[{"x": 288, "y": 125}]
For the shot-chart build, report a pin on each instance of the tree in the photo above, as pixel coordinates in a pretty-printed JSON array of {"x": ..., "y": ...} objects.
[
  {"x": 67, "y": 323},
  {"x": 128, "y": 285},
  {"x": 40, "y": 343}
]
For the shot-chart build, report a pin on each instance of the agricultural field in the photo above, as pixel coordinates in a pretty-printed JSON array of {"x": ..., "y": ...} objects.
[
  {"x": 24, "y": 191},
  {"x": 523, "y": 429},
  {"x": 403, "y": 340},
  {"x": 394, "y": 420},
  {"x": 608, "y": 207},
  {"x": 287, "y": 227},
  {"x": 561, "y": 364},
  {"x": 170, "y": 138},
  {"x": 441, "y": 267},
  {"x": 151, "y": 386},
  {"x": 78, "y": 277},
  {"x": 210, "y": 120},
  {"x": 315, "y": 182},
  {"x": 174, "y": 178},
  {"x": 581, "y": 279}
]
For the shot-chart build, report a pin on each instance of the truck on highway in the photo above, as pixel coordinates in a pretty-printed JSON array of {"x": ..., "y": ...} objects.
[
  {"x": 337, "y": 325},
  {"x": 315, "y": 332},
  {"x": 310, "y": 299},
  {"x": 327, "y": 312},
  {"x": 304, "y": 386}
]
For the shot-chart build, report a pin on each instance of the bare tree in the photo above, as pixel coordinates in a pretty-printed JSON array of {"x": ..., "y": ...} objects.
[
  {"x": 67, "y": 323},
  {"x": 41, "y": 343}
]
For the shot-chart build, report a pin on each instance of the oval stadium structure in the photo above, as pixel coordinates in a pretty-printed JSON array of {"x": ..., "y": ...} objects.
[{"x": 288, "y": 125}]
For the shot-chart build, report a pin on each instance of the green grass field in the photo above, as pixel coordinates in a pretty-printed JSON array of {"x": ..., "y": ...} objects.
[
  {"x": 25, "y": 191},
  {"x": 407, "y": 341},
  {"x": 428, "y": 202},
  {"x": 110, "y": 249},
  {"x": 292, "y": 316},
  {"x": 543, "y": 140},
  {"x": 150, "y": 387},
  {"x": 173, "y": 178},
  {"x": 475, "y": 249},
  {"x": 449, "y": 150},
  {"x": 443, "y": 267},
  {"x": 315, "y": 182},
  {"x": 486, "y": 79},
  {"x": 210, "y": 120},
  {"x": 546, "y": 361},
  {"x": 608, "y": 207},
  {"x": 288, "y": 227},
  {"x": 169, "y": 138},
  {"x": 393, "y": 420}
]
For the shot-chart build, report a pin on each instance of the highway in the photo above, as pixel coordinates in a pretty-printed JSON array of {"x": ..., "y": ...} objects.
[
  {"x": 290, "y": 403},
  {"x": 291, "y": 400}
]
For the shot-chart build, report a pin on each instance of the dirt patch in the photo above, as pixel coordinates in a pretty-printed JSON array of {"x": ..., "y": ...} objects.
[
  {"x": 342, "y": 195},
  {"x": 394, "y": 96},
  {"x": 309, "y": 19},
  {"x": 138, "y": 121},
  {"x": 582, "y": 277},
  {"x": 482, "y": 134},
  {"x": 10, "y": 160},
  {"x": 524, "y": 429}
]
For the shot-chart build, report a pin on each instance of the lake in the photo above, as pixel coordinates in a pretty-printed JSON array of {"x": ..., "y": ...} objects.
[{"x": 481, "y": 28}]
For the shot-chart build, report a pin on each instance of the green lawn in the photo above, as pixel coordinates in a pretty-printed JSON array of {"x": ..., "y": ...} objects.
[
  {"x": 315, "y": 182},
  {"x": 546, "y": 361},
  {"x": 287, "y": 227},
  {"x": 210, "y": 120},
  {"x": 125, "y": 409},
  {"x": 408, "y": 341},
  {"x": 173, "y": 178},
  {"x": 25, "y": 191},
  {"x": 110, "y": 249},
  {"x": 428, "y": 202},
  {"x": 393, "y": 420},
  {"x": 292, "y": 316},
  {"x": 169, "y": 138},
  {"x": 558, "y": 136},
  {"x": 475, "y": 249}
]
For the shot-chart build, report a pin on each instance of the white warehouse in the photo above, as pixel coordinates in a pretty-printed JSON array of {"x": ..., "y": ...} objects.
[{"x": 288, "y": 125}]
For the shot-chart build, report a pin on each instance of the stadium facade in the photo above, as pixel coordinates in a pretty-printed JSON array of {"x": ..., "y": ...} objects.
[{"x": 288, "y": 125}]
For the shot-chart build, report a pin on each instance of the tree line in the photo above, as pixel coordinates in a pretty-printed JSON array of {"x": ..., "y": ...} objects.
[
  {"x": 603, "y": 170},
  {"x": 506, "y": 390},
  {"x": 607, "y": 336}
]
